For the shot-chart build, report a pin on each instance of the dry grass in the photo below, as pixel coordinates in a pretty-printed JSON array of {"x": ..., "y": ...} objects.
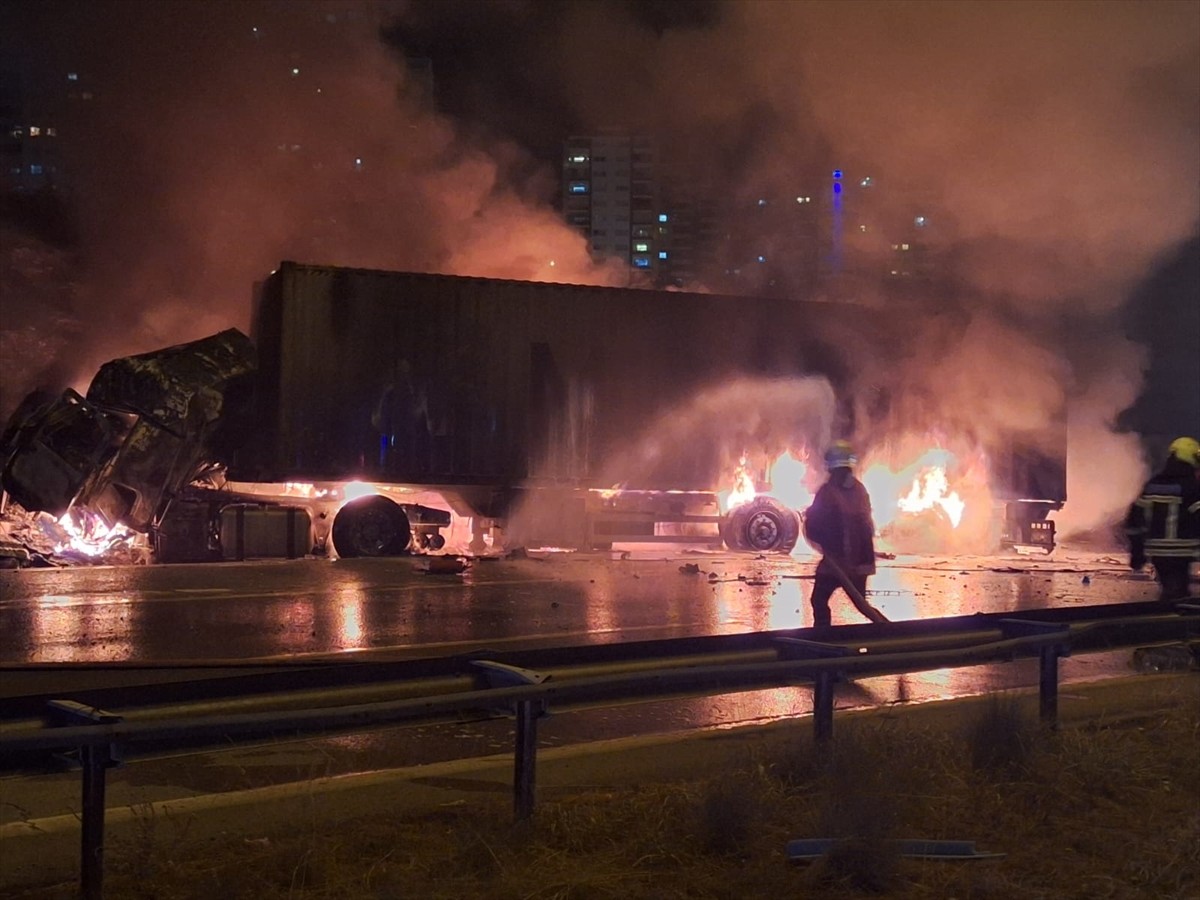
[{"x": 1107, "y": 810}]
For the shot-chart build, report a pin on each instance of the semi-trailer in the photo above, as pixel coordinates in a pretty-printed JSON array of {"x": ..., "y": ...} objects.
[{"x": 374, "y": 413}]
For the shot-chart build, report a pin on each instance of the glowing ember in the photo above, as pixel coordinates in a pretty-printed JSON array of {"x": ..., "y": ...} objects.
[
  {"x": 931, "y": 489},
  {"x": 88, "y": 534}
]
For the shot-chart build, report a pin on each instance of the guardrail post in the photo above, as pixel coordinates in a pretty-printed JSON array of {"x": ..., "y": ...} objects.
[
  {"x": 1048, "y": 685},
  {"x": 525, "y": 759},
  {"x": 823, "y": 707},
  {"x": 823, "y": 682},
  {"x": 1048, "y": 658},
  {"x": 95, "y": 759},
  {"x": 527, "y": 713}
]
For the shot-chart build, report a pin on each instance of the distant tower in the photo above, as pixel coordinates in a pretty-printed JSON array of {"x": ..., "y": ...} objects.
[
  {"x": 836, "y": 236},
  {"x": 611, "y": 195}
]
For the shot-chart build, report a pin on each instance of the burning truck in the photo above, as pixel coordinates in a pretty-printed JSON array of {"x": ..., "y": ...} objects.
[{"x": 379, "y": 413}]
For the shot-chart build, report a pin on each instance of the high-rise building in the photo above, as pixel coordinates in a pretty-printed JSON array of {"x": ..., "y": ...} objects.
[
  {"x": 611, "y": 194},
  {"x": 37, "y": 112}
]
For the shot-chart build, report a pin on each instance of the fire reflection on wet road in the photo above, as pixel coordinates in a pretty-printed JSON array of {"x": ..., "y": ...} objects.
[{"x": 262, "y": 611}]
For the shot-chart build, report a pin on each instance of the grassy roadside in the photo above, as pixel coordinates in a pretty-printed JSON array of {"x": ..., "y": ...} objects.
[{"x": 1100, "y": 809}]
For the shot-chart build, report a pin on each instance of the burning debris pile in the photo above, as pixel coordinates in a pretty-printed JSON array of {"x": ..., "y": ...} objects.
[{"x": 37, "y": 539}]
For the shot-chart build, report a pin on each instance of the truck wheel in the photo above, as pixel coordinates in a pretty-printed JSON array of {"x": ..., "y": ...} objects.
[
  {"x": 764, "y": 525},
  {"x": 371, "y": 526}
]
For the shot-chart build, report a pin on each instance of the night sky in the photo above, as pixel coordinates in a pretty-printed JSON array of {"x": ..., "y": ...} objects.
[{"x": 1055, "y": 145}]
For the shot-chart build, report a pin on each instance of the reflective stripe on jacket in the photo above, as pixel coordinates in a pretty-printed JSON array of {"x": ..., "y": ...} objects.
[{"x": 1165, "y": 519}]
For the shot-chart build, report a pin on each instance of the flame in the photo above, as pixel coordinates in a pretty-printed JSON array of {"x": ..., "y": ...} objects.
[
  {"x": 89, "y": 534},
  {"x": 789, "y": 481},
  {"x": 933, "y": 481},
  {"x": 353, "y": 490},
  {"x": 743, "y": 490},
  {"x": 931, "y": 488}
]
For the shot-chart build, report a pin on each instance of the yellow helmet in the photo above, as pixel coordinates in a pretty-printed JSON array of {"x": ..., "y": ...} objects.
[
  {"x": 1186, "y": 449},
  {"x": 840, "y": 455}
]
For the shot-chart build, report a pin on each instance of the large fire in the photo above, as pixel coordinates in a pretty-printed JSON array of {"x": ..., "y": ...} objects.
[{"x": 929, "y": 502}]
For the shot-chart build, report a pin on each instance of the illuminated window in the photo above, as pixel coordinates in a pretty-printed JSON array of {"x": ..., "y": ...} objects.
[
  {"x": 662, "y": 217},
  {"x": 919, "y": 221},
  {"x": 34, "y": 130},
  {"x": 295, "y": 71},
  {"x": 35, "y": 170},
  {"x": 51, "y": 132},
  {"x": 662, "y": 254},
  {"x": 578, "y": 187},
  {"x": 72, "y": 76},
  {"x": 904, "y": 246},
  {"x": 642, "y": 262},
  {"x": 641, "y": 247},
  {"x": 579, "y": 158}
]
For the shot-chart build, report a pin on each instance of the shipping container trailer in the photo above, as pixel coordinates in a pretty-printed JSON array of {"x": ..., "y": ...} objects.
[{"x": 581, "y": 412}]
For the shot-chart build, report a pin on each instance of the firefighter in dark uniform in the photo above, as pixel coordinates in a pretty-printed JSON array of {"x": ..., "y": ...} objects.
[
  {"x": 1163, "y": 524},
  {"x": 839, "y": 524}
]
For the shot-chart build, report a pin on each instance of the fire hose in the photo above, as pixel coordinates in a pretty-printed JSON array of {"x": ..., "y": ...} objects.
[{"x": 856, "y": 596}]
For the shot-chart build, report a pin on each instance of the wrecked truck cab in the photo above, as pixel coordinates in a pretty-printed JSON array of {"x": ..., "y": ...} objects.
[
  {"x": 148, "y": 426},
  {"x": 54, "y": 448}
]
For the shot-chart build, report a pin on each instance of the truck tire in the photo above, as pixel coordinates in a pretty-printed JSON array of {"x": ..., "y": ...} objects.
[
  {"x": 764, "y": 525},
  {"x": 371, "y": 526}
]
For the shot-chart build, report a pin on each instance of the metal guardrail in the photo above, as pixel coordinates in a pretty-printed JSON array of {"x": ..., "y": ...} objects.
[{"x": 100, "y": 736}]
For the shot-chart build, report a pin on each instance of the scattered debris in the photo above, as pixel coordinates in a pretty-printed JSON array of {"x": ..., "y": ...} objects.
[
  {"x": 1167, "y": 658},
  {"x": 690, "y": 569},
  {"x": 445, "y": 565}
]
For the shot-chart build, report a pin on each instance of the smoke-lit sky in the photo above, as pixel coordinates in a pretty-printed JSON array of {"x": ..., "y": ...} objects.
[{"x": 1054, "y": 144}]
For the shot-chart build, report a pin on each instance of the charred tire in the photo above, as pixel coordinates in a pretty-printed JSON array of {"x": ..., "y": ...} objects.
[
  {"x": 371, "y": 526},
  {"x": 764, "y": 525}
]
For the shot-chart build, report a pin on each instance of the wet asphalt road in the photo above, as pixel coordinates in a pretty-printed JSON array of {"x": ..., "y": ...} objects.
[{"x": 268, "y": 611}]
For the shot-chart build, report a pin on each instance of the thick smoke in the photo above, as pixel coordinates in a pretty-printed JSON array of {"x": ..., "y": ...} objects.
[
  {"x": 228, "y": 136},
  {"x": 1052, "y": 147},
  {"x": 765, "y": 417}
]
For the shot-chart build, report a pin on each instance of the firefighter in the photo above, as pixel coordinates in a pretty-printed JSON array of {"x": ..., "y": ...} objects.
[
  {"x": 839, "y": 524},
  {"x": 1163, "y": 524}
]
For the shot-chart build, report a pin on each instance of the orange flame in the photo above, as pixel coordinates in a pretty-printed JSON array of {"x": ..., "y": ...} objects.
[
  {"x": 88, "y": 534},
  {"x": 929, "y": 489},
  {"x": 743, "y": 490}
]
